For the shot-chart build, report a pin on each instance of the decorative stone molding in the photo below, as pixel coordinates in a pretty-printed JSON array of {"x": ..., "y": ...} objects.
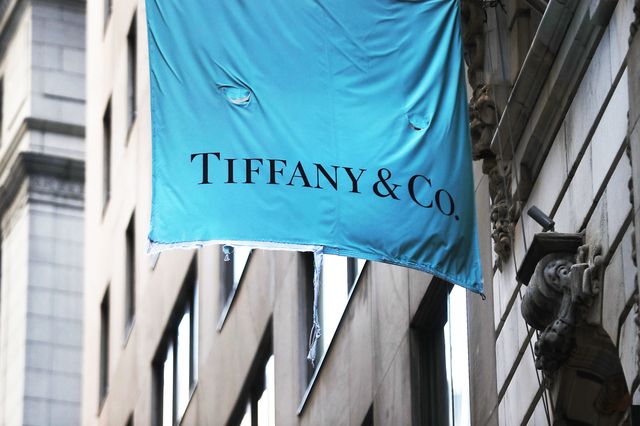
[
  {"x": 473, "y": 22},
  {"x": 591, "y": 387},
  {"x": 633, "y": 240},
  {"x": 636, "y": 21},
  {"x": 47, "y": 178},
  {"x": 483, "y": 116},
  {"x": 56, "y": 187},
  {"x": 634, "y": 259},
  {"x": 502, "y": 211}
]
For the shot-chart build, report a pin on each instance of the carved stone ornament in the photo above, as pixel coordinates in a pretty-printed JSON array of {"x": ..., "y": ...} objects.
[
  {"x": 473, "y": 20},
  {"x": 562, "y": 289},
  {"x": 502, "y": 212},
  {"x": 483, "y": 116},
  {"x": 577, "y": 356},
  {"x": 636, "y": 21}
]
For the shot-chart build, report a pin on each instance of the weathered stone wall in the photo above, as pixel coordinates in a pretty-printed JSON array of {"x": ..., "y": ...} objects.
[{"x": 583, "y": 184}]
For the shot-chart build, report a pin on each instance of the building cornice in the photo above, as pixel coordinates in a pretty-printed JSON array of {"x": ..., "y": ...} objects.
[
  {"x": 38, "y": 125},
  {"x": 49, "y": 175},
  {"x": 557, "y": 60}
]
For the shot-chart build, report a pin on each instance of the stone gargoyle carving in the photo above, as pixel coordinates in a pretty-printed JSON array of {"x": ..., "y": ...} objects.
[
  {"x": 562, "y": 288},
  {"x": 586, "y": 378}
]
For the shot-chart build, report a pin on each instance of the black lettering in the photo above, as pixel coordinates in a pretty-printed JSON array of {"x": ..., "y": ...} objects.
[
  {"x": 412, "y": 192},
  {"x": 205, "y": 165},
  {"x": 438, "y": 203},
  {"x": 354, "y": 180},
  {"x": 273, "y": 171},
  {"x": 384, "y": 175},
  {"x": 249, "y": 170},
  {"x": 332, "y": 181},
  {"x": 299, "y": 173},
  {"x": 230, "y": 170}
]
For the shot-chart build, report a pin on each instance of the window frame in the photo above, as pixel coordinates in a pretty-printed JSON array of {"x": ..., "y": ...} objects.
[
  {"x": 228, "y": 288},
  {"x": 107, "y": 151},
  {"x": 430, "y": 391},
  {"x": 368, "y": 418},
  {"x": 255, "y": 383},
  {"x": 104, "y": 354},
  {"x": 186, "y": 303},
  {"x": 130, "y": 277},
  {"x": 314, "y": 371},
  {"x": 132, "y": 75}
]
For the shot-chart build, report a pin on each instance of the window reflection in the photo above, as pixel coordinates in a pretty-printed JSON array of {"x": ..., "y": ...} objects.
[
  {"x": 176, "y": 371},
  {"x": 258, "y": 405},
  {"x": 267, "y": 401},
  {"x": 182, "y": 363},
  {"x": 439, "y": 362},
  {"x": 455, "y": 334},
  {"x": 338, "y": 278},
  {"x": 240, "y": 256},
  {"x": 232, "y": 269},
  {"x": 167, "y": 388}
]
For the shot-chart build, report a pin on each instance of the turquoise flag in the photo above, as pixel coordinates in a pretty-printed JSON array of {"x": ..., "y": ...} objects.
[{"x": 305, "y": 124}]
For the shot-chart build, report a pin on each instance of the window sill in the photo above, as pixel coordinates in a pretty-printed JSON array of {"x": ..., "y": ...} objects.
[{"x": 316, "y": 373}]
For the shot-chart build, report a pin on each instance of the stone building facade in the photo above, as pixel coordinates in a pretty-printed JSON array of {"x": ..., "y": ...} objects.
[
  {"x": 554, "y": 125},
  {"x": 42, "y": 96},
  {"x": 187, "y": 337}
]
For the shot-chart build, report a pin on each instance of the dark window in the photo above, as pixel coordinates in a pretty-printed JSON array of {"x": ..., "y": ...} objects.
[
  {"x": 368, "y": 419},
  {"x": 104, "y": 346},
  {"x": 131, "y": 73},
  {"x": 232, "y": 269},
  {"x": 176, "y": 362},
  {"x": 635, "y": 415},
  {"x": 256, "y": 405},
  {"x": 130, "y": 420},
  {"x": 106, "y": 154},
  {"x": 430, "y": 388},
  {"x": 130, "y": 274}
]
